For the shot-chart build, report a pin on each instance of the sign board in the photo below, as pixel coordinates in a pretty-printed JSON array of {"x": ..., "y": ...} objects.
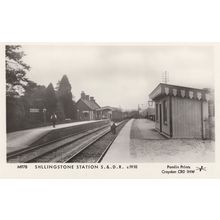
[{"x": 34, "y": 110}]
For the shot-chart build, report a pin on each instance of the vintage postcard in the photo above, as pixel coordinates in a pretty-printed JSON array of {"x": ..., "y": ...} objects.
[{"x": 109, "y": 110}]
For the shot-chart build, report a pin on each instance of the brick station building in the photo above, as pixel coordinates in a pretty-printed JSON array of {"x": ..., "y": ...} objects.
[
  {"x": 181, "y": 112},
  {"x": 86, "y": 108}
]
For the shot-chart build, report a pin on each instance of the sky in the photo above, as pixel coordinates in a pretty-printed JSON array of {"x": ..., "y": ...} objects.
[{"x": 120, "y": 75}]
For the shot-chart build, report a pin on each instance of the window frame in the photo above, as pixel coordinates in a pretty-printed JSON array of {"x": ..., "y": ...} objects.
[
  {"x": 157, "y": 113},
  {"x": 165, "y": 112}
]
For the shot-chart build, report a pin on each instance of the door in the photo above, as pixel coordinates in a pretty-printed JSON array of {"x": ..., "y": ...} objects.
[{"x": 160, "y": 115}]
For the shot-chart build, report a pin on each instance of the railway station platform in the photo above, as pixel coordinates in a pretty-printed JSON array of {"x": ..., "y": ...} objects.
[
  {"x": 139, "y": 142},
  {"x": 119, "y": 150},
  {"x": 123, "y": 150},
  {"x": 22, "y": 139}
]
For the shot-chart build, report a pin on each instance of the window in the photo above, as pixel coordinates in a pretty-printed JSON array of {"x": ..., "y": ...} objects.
[
  {"x": 211, "y": 109},
  {"x": 156, "y": 112},
  {"x": 165, "y": 107}
]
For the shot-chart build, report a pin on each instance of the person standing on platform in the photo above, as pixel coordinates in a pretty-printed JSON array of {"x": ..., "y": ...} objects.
[
  {"x": 113, "y": 128},
  {"x": 53, "y": 118}
]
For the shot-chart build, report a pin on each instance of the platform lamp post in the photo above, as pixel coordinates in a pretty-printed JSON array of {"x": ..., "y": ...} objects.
[
  {"x": 44, "y": 114},
  {"x": 78, "y": 115},
  {"x": 150, "y": 103}
]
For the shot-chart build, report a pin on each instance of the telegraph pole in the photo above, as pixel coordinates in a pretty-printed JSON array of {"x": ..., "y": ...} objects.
[{"x": 165, "y": 77}]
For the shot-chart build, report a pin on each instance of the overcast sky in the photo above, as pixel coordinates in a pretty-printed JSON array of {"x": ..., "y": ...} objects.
[{"x": 120, "y": 75}]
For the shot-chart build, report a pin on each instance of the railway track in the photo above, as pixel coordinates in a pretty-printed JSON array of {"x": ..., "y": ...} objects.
[
  {"x": 33, "y": 153},
  {"x": 85, "y": 147},
  {"x": 94, "y": 151}
]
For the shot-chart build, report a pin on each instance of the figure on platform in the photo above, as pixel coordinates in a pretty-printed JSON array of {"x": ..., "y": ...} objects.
[
  {"x": 113, "y": 128},
  {"x": 53, "y": 118}
]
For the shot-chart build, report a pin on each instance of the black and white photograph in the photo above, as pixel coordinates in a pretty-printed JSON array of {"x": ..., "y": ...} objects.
[
  {"x": 110, "y": 103},
  {"x": 109, "y": 109}
]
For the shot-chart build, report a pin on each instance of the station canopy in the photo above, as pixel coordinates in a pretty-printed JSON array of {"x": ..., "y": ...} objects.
[{"x": 179, "y": 91}]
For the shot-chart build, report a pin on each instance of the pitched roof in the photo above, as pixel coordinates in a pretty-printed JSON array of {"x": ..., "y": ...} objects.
[
  {"x": 109, "y": 108},
  {"x": 91, "y": 104}
]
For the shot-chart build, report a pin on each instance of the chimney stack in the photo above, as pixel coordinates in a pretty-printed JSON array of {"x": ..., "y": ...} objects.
[
  {"x": 83, "y": 95},
  {"x": 87, "y": 97},
  {"x": 92, "y": 99}
]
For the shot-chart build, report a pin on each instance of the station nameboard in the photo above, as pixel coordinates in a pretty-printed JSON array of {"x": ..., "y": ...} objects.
[{"x": 34, "y": 110}]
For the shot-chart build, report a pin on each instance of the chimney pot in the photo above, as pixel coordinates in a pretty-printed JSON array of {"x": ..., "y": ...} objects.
[
  {"x": 92, "y": 98},
  {"x": 83, "y": 95},
  {"x": 87, "y": 97}
]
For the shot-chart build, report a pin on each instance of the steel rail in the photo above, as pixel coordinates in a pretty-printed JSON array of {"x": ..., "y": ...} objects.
[
  {"x": 37, "y": 147},
  {"x": 61, "y": 146},
  {"x": 86, "y": 146},
  {"x": 93, "y": 142}
]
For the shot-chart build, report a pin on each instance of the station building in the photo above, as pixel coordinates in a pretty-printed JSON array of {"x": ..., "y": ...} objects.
[
  {"x": 86, "y": 108},
  {"x": 111, "y": 113},
  {"x": 181, "y": 112}
]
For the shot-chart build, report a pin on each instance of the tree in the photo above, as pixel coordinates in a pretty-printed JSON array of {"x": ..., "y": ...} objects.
[
  {"x": 16, "y": 70},
  {"x": 29, "y": 87},
  {"x": 57, "y": 86},
  {"x": 50, "y": 99},
  {"x": 15, "y": 116},
  {"x": 60, "y": 111},
  {"x": 34, "y": 95},
  {"x": 65, "y": 96}
]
